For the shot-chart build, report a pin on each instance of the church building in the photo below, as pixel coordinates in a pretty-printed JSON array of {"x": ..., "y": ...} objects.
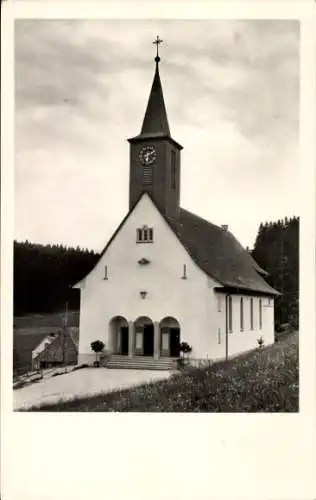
[{"x": 167, "y": 275}]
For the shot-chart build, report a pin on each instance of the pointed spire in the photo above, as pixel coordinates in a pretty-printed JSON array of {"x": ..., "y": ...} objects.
[{"x": 155, "y": 120}]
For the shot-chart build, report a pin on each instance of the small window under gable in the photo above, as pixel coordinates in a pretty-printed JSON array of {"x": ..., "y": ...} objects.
[{"x": 144, "y": 235}]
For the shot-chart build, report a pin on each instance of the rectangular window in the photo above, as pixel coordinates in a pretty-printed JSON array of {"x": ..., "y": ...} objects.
[
  {"x": 230, "y": 313},
  {"x": 241, "y": 314},
  {"x": 105, "y": 272},
  {"x": 173, "y": 169},
  {"x": 251, "y": 314},
  {"x": 219, "y": 303},
  {"x": 260, "y": 314},
  {"x": 144, "y": 235},
  {"x": 184, "y": 276}
]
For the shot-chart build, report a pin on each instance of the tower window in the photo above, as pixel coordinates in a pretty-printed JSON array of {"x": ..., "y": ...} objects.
[
  {"x": 173, "y": 169},
  {"x": 147, "y": 175},
  {"x": 144, "y": 235}
]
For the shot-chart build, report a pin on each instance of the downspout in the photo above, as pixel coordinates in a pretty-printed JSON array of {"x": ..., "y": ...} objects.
[{"x": 226, "y": 327}]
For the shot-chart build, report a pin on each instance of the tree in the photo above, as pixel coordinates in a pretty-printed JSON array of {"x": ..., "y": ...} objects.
[
  {"x": 277, "y": 251},
  {"x": 185, "y": 348},
  {"x": 97, "y": 346},
  {"x": 44, "y": 276}
]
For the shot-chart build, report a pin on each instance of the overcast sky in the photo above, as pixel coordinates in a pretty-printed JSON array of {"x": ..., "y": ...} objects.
[{"x": 231, "y": 90}]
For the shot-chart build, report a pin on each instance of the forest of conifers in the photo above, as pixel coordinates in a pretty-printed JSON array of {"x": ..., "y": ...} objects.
[{"x": 44, "y": 274}]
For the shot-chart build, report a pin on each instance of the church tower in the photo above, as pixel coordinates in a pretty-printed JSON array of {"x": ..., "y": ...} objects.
[{"x": 154, "y": 155}]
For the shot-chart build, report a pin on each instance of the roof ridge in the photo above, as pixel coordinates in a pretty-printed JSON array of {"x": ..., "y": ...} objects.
[{"x": 205, "y": 220}]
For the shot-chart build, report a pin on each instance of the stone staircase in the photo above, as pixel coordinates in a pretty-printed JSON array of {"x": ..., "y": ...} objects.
[{"x": 140, "y": 363}]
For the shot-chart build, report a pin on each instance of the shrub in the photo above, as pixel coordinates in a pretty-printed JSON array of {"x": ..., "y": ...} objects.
[
  {"x": 260, "y": 341},
  {"x": 97, "y": 346},
  {"x": 180, "y": 363},
  {"x": 185, "y": 348}
]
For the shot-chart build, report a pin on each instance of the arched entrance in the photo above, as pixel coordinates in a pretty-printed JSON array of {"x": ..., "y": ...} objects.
[
  {"x": 144, "y": 336},
  {"x": 119, "y": 335},
  {"x": 169, "y": 337}
]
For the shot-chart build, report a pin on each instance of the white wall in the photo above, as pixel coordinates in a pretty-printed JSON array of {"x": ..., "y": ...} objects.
[
  {"x": 239, "y": 341},
  {"x": 167, "y": 294},
  {"x": 216, "y": 323},
  {"x": 192, "y": 301}
]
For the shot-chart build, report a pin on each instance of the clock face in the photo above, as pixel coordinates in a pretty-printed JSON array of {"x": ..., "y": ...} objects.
[{"x": 147, "y": 155}]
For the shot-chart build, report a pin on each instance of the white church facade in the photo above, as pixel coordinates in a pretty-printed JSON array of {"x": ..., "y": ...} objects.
[{"x": 168, "y": 276}]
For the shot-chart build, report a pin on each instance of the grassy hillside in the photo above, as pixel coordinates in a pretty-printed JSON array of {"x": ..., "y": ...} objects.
[
  {"x": 264, "y": 380},
  {"x": 34, "y": 321}
]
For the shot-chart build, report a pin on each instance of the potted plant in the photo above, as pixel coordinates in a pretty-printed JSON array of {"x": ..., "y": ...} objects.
[
  {"x": 97, "y": 346},
  {"x": 185, "y": 348}
]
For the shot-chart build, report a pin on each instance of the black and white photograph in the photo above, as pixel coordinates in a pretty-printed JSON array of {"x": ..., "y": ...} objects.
[
  {"x": 158, "y": 250},
  {"x": 156, "y": 229}
]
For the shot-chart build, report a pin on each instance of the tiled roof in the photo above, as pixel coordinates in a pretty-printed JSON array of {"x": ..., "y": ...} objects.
[{"x": 217, "y": 252}]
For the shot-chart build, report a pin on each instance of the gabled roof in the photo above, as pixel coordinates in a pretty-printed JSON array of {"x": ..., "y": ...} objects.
[
  {"x": 215, "y": 250},
  {"x": 53, "y": 346}
]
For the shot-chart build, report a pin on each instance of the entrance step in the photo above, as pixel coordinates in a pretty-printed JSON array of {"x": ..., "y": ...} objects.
[{"x": 141, "y": 363}]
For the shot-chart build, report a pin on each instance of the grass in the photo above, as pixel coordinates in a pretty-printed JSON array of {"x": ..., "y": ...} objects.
[
  {"x": 264, "y": 380},
  {"x": 46, "y": 320}
]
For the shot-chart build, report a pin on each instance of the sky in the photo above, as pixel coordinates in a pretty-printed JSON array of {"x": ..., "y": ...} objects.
[{"x": 231, "y": 90}]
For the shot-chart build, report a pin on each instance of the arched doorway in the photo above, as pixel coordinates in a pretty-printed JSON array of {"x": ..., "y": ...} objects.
[
  {"x": 169, "y": 337},
  {"x": 119, "y": 335},
  {"x": 144, "y": 336}
]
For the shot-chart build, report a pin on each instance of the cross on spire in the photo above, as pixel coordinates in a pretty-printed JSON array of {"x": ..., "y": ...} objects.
[{"x": 157, "y": 42}]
